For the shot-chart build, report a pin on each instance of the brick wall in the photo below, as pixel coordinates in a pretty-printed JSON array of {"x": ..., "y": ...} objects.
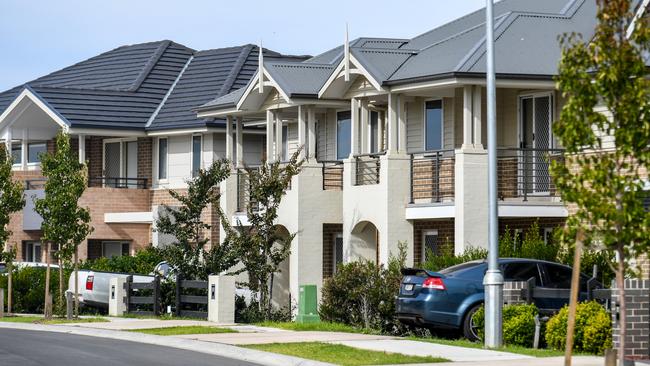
[
  {"x": 637, "y": 297},
  {"x": 432, "y": 181},
  {"x": 145, "y": 145},
  {"x": 512, "y": 292},
  {"x": 329, "y": 233},
  {"x": 94, "y": 155},
  {"x": 445, "y": 235}
]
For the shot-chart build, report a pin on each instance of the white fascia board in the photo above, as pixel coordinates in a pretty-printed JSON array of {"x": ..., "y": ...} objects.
[
  {"x": 501, "y": 83},
  {"x": 430, "y": 212},
  {"x": 27, "y": 93},
  {"x": 360, "y": 71},
  {"x": 128, "y": 218},
  {"x": 333, "y": 76},
  {"x": 106, "y": 132},
  {"x": 529, "y": 210},
  {"x": 219, "y": 113}
]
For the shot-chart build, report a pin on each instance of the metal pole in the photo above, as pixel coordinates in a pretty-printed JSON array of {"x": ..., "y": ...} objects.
[{"x": 493, "y": 280}]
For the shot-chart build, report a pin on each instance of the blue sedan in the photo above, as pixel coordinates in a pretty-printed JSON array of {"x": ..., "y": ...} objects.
[{"x": 449, "y": 298}]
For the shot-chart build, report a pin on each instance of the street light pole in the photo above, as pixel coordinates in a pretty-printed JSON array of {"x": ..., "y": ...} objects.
[{"x": 493, "y": 280}]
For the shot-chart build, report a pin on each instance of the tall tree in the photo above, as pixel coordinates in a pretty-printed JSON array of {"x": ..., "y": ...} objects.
[
  {"x": 12, "y": 199},
  {"x": 261, "y": 247},
  {"x": 184, "y": 223},
  {"x": 65, "y": 223},
  {"x": 606, "y": 151}
]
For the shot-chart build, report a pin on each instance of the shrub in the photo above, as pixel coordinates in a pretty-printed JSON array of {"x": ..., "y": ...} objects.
[
  {"x": 531, "y": 246},
  {"x": 29, "y": 288},
  {"x": 593, "y": 329},
  {"x": 518, "y": 324},
  {"x": 250, "y": 313},
  {"x": 143, "y": 262},
  {"x": 362, "y": 294},
  {"x": 446, "y": 257}
]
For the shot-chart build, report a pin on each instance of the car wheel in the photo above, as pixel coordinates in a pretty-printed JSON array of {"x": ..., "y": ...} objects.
[{"x": 470, "y": 330}]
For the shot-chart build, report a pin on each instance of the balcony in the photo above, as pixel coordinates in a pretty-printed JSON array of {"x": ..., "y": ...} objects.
[
  {"x": 367, "y": 169},
  {"x": 332, "y": 171},
  {"x": 524, "y": 174},
  {"x": 117, "y": 182},
  {"x": 243, "y": 190},
  {"x": 432, "y": 176}
]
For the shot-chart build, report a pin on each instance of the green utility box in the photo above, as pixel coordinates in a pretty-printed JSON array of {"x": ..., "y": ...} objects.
[{"x": 308, "y": 305}]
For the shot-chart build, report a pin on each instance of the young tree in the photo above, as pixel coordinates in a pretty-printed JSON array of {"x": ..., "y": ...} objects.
[
  {"x": 261, "y": 247},
  {"x": 606, "y": 151},
  {"x": 65, "y": 224},
  {"x": 12, "y": 199},
  {"x": 187, "y": 253}
]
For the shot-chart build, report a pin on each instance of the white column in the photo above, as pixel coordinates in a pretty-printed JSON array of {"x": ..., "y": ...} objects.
[
  {"x": 354, "y": 129},
  {"x": 467, "y": 116},
  {"x": 402, "y": 123},
  {"x": 365, "y": 127},
  {"x": 392, "y": 123},
  {"x": 311, "y": 121},
  {"x": 24, "y": 149},
  {"x": 278, "y": 136},
  {"x": 302, "y": 132},
  {"x": 116, "y": 293},
  {"x": 229, "y": 138},
  {"x": 239, "y": 131},
  {"x": 476, "y": 111},
  {"x": 82, "y": 149},
  {"x": 221, "y": 299},
  {"x": 8, "y": 141},
  {"x": 381, "y": 121},
  {"x": 269, "y": 136}
]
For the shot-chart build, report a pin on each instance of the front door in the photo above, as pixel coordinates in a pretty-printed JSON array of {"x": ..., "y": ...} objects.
[{"x": 536, "y": 140}]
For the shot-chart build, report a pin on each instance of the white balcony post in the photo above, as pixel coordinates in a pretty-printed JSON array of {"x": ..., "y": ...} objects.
[
  {"x": 278, "y": 136},
  {"x": 393, "y": 111},
  {"x": 302, "y": 133},
  {"x": 229, "y": 138},
  {"x": 402, "y": 124},
  {"x": 354, "y": 130},
  {"x": 311, "y": 121},
  {"x": 8, "y": 142},
  {"x": 82, "y": 149},
  {"x": 467, "y": 116},
  {"x": 239, "y": 131},
  {"x": 24, "y": 149},
  {"x": 365, "y": 127},
  {"x": 476, "y": 111},
  {"x": 381, "y": 122},
  {"x": 269, "y": 135}
]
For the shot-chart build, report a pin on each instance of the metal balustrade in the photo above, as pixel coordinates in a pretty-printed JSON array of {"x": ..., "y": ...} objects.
[
  {"x": 117, "y": 182},
  {"x": 332, "y": 171},
  {"x": 367, "y": 169},
  {"x": 432, "y": 176},
  {"x": 525, "y": 173}
]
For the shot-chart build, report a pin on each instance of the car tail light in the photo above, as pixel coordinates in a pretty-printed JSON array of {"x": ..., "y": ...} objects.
[
  {"x": 434, "y": 283},
  {"x": 89, "y": 282}
]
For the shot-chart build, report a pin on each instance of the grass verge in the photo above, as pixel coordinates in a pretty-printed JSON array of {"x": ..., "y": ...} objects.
[
  {"x": 41, "y": 320},
  {"x": 314, "y": 327},
  {"x": 183, "y": 330},
  {"x": 342, "y": 355},
  {"x": 512, "y": 349}
]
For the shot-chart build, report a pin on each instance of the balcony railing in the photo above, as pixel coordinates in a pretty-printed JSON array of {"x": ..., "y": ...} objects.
[
  {"x": 332, "y": 175},
  {"x": 243, "y": 190},
  {"x": 117, "y": 182},
  {"x": 525, "y": 173},
  {"x": 432, "y": 176},
  {"x": 367, "y": 168}
]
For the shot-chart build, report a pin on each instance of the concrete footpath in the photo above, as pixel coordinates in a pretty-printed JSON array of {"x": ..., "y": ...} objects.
[{"x": 224, "y": 344}]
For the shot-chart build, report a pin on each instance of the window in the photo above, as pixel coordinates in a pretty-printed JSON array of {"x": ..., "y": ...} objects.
[
  {"x": 162, "y": 158},
  {"x": 196, "y": 155},
  {"x": 374, "y": 131},
  {"x": 112, "y": 249},
  {"x": 522, "y": 271},
  {"x": 645, "y": 198},
  {"x": 34, "y": 152},
  {"x": 548, "y": 235},
  {"x": 433, "y": 125},
  {"x": 17, "y": 153},
  {"x": 32, "y": 251},
  {"x": 343, "y": 135},
  {"x": 429, "y": 244},
  {"x": 285, "y": 143},
  {"x": 338, "y": 251}
]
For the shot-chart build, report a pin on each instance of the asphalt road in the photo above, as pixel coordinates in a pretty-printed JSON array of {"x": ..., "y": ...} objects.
[{"x": 30, "y": 348}]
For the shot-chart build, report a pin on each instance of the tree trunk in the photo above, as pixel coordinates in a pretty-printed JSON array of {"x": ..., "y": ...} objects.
[
  {"x": 76, "y": 282},
  {"x": 47, "y": 313},
  {"x": 268, "y": 311},
  {"x": 622, "y": 323},
  {"x": 10, "y": 269},
  {"x": 573, "y": 302},
  {"x": 61, "y": 297}
]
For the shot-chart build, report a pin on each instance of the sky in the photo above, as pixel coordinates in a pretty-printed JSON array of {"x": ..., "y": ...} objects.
[{"x": 38, "y": 37}]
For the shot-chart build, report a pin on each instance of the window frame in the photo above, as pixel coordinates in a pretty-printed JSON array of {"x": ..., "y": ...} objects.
[
  {"x": 26, "y": 154},
  {"x": 194, "y": 173},
  {"x": 158, "y": 163},
  {"x": 423, "y": 250},
  {"x": 123, "y": 152},
  {"x": 14, "y": 144},
  {"x": 442, "y": 123},
  {"x": 336, "y": 140},
  {"x": 334, "y": 252},
  {"x": 32, "y": 244}
]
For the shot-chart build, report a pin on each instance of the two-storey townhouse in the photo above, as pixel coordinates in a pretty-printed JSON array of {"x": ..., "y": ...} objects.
[
  {"x": 129, "y": 114},
  {"x": 394, "y": 131}
]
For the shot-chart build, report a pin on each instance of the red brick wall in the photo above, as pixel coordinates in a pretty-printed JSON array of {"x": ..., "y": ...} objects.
[
  {"x": 329, "y": 233},
  {"x": 445, "y": 235},
  {"x": 145, "y": 146}
]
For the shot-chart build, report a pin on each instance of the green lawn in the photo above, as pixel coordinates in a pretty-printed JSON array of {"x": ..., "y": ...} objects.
[
  {"x": 183, "y": 330},
  {"x": 41, "y": 320},
  {"x": 512, "y": 349},
  {"x": 318, "y": 327},
  {"x": 341, "y": 355}
]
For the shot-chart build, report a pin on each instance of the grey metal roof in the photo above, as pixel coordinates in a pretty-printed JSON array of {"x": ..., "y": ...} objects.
[
  {"x": 299, "y": 79},
  {"x": 381, "y": 63}
]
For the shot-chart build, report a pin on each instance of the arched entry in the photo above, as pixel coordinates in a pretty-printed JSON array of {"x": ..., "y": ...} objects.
[
  {"x": 281, "y": 297},
  {"x": 364, "y": 242}
]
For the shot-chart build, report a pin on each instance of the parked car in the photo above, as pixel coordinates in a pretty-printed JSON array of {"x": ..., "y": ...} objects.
[
  {"x": 17, "y": 265},
  {"x": 449, "y": 298}
]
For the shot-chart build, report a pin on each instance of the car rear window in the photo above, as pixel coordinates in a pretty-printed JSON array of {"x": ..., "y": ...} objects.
[{"x": 460, "y": 267}]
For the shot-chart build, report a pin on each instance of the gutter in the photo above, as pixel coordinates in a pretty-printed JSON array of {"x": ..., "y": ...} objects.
[{"x": 471, "y": 75}]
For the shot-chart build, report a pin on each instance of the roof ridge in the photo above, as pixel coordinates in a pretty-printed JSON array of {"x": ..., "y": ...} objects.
[
  {"x": 169, "y": 92},
  {"x": 236, "y": 69},
  {"x": 153, "y": 60}
]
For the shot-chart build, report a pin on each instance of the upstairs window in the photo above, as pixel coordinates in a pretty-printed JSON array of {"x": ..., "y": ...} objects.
[
  {"x": 374, "y": 131},
  {"x": 343, "y": 135},
  {"x": 433, "y": 125},
  {"x": 162, "y": 158},
  {"x": 196, "y": 155},
  {"x": 34, "y": 152}
]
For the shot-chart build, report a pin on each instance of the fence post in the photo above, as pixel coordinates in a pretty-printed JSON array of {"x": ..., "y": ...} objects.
[
  {"x": 179, "y": 282},
  {"x": 68, "y": 305},
  {"x": 156, "y": 295},
  {"x": 127, "y": 288}
]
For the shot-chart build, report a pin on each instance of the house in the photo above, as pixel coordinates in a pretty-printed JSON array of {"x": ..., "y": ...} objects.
[{"x": 129, "y": 114}]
